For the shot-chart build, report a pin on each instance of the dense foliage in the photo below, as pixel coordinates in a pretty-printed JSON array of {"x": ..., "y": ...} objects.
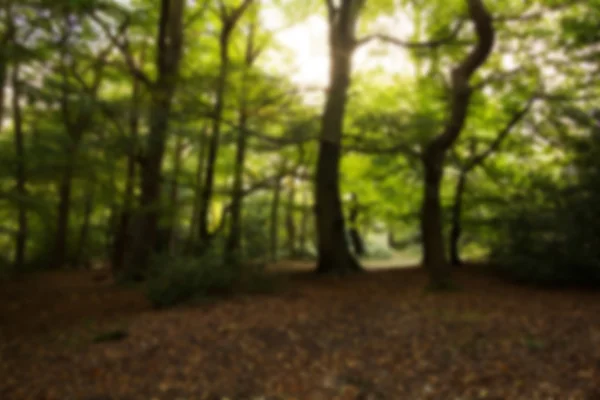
[{"x": 228, "y": 130}]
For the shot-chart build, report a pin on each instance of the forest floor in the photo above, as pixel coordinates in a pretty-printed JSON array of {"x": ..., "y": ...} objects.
[{"x": 375, "y": 336}]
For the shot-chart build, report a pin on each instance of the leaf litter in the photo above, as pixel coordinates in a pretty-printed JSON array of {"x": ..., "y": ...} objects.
[{"x": 374, "y": 336}]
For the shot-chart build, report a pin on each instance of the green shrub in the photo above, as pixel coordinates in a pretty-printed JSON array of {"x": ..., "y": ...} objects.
[
  {"x": 177, "y": 279},
  {"x": 174, "y": 280},
  {"x": 548, "y": 247},
  {"x": 552, "y": 237}
]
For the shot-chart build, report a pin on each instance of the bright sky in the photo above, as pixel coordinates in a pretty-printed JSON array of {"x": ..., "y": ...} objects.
[{"x": 307, "y": 42}]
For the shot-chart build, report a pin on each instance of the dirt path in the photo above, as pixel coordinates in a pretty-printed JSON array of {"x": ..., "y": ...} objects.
[
  {"x": 397, "y": 261},
  {"x": 376, "y": 336}
]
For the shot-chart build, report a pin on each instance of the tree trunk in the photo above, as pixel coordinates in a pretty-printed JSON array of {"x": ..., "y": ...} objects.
[
  {"x": 147, "y": 219},
  {"x": 84, "y": 231},
  {"x": 456, "y": 229},
  {"x": 305, "y": 213},
  {"x": 169, "y": 41},
  {"x": 213, "y": 147},
  {"x": 434, "y": 256},
  {"x": 274, "y": 225},
  {"x": 334, "y": 254},
  {"x": 174, "y": 196},
  {"x": 234, "y": 240},
  {"x": 124, "y": 224},
  {"x": 290, "y": 221},
  {"x": 194, "y": 224},
  {"x": 64, "y": 212},
  {"x": 4, "y": 51},
  {"x": 124, "y": 228},
  {"x": 21, "y": 239},
  {"x": 355, "y": 238},
  {"x": 6, "y": 41},
  {"x": 3, "y": 67}
]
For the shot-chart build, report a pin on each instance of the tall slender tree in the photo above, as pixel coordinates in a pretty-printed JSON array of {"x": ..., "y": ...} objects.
[
  {"x": 229, "y": 19},
  {"x": 252, "y": 51},
  {"x": 21, "y": 174}
]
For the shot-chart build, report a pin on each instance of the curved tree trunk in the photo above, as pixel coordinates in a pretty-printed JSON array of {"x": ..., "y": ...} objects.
[
  {"x": 334, "y": 254},
  {"x": 434, "y": 256}
]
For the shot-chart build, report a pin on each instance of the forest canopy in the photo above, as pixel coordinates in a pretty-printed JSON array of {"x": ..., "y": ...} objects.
[{"x": 153, "y": 134}]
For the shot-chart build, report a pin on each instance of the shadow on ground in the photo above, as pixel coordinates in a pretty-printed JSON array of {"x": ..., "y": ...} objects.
[{"x": 374, "y": 336}]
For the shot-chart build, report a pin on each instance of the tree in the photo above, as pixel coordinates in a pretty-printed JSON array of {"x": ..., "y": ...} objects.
[
  {"x": 355, "y": 237},
  {"x": 6, "y": 37},
  {"x": 434, "y": 254},
  {"x": 169, "y": 43},
  {"x": 228, "y": 20},
  {"x": 78, "y": 103},
  {"x": 21, "y": 174},
  {"x": 475, "y": 160},
  {"x": 334, "y": 254},
  {"x": 252, "y": 51}
]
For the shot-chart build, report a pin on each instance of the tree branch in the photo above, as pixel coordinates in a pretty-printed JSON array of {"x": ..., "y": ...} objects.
[
  {"x": 331, "y": 10},
  {"x": 537, "y": 14},
  {"x": 395, "y": 149},
  {"x": 238, "y": 11},
  {"x": 461, "y": 75},
  {"x": 485, "y": 39},
  {"x": 493, "y": 147},
  {"x": 123, "y": 47},
  {"x": 198, "y": 14},
  {"x": 497, "y": 77},
  {"x": 432, "y": 44}
]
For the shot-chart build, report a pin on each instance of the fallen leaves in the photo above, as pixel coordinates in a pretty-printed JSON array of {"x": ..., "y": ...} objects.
[{"x": 375, "y": 337}]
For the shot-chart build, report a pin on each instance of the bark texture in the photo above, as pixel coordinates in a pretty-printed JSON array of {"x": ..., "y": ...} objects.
[
  {"x": 234, "y": 239},
  {"x": 274, "y": 220},
  {"x": 122, "y": 237},
  {"x": 21, "y": 174},
  {"x": 229, "y": 20},
  {"x": 169, "y": 44},
  {"x": 434, "y": 255},
  {"x": 357, "y": 241},
  {"x": 334, "y": 256}
]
